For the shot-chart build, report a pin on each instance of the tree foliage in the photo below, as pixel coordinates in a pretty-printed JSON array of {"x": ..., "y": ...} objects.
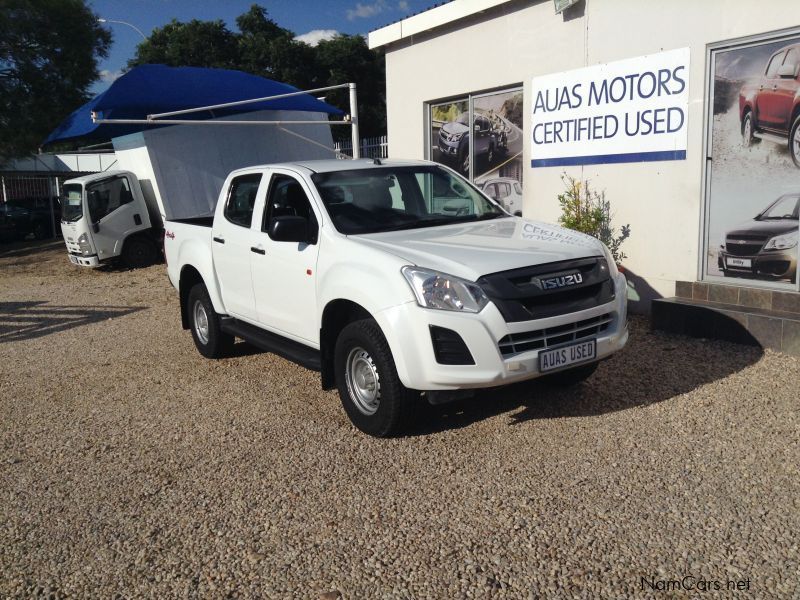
[
  {"x": 588, "y": 211},
  {"x": 48, "y": 59},
  {"x": 264, "y": 48}
]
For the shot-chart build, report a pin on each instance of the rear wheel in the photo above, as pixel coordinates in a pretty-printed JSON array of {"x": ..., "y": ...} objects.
[
  {"x": 139, "y": 252},
  {"x": 370, "y": 390},
  {"x": 572, "y": 376},
  {"x": 748, "y": 129},
  {"x": 207, "y": 332},
  {"x": 794, "y": 142}
]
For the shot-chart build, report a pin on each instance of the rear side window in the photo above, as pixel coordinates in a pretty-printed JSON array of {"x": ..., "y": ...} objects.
[
  {"x": 791, "y": 59},
  {"x": 241, "y": 199},
  {"x": 107, "y": 196}
]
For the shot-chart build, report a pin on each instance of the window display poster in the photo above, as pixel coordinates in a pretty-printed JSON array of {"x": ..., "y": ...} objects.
[{"x": 754, "y": 171}]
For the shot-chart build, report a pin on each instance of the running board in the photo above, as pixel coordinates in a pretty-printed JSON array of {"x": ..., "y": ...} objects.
[
  {"x": 276, "y": 344},
  {"x": 771, "y": 137}
]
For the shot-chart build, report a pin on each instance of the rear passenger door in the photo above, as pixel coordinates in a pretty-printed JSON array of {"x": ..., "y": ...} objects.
[
  {"x": 284, "y": 273},
  {"x": 232, "y": 243}
]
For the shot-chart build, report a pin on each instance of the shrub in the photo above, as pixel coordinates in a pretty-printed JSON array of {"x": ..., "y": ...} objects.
[{"x": 585, "y": 210}]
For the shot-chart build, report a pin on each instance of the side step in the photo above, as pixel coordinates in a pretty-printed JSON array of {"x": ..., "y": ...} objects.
[
  {"x": 276, "y": 344},
  {"x": 771, "y": 137}
]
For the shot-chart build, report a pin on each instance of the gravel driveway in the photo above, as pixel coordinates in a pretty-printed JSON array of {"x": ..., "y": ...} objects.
[{"x": 132, "y": 466}]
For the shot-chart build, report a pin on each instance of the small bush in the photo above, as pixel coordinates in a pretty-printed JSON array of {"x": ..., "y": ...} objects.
[{"x": 588, "y": 211}]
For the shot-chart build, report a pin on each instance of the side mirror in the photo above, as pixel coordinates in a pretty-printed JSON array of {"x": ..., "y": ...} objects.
[
  {"x": 477, "y": 128},
  {"x": 96, "y": 227},
  {"x": 289, "y": 228},
  {"x": 787, "y": 71}
]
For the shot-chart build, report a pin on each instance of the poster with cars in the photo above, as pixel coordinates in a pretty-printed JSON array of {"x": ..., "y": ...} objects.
[
  {"x": 485, "y": 145},
  {"x": 754, "y": 172},
  {"x": 497, "y": 149},
  {"x": 449, "y": 134}
]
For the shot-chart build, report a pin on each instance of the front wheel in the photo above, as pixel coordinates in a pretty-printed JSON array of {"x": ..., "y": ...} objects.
[
  {"x": 139, "y": 252},
  {"x": 371, "y": 392},
  {"x": 794, "y": 142},
  {"x": 207, "y": 332}
]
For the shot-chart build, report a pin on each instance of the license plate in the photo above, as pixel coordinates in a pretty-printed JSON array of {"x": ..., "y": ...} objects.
[
  {"x": 739, "y": 262},
  {"x": 567, "y": 355},
  {"x": 73, "y": 260}
]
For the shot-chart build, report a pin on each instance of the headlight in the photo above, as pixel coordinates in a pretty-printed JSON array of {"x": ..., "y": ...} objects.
[
  {"x": 782, "y": 242},
  {"x": 444, "y": 292},
  {"x": 83, "y": 242},
  {"x": 612, "y": 264}
]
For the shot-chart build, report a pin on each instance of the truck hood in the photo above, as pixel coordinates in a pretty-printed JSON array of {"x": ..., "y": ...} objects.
[
  {"x": 471, "y": 250},
  {"x": 455, "y": 128}
]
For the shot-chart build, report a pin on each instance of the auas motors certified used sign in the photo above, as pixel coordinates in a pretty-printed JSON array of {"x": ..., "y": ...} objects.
[{"x": 626, "y": 111}]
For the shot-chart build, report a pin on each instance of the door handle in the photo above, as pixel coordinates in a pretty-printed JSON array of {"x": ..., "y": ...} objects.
[
  {"x": 774, "y": 87},
  {"x": 219, "y": 240},
  {"x": 257, "y": 250}
]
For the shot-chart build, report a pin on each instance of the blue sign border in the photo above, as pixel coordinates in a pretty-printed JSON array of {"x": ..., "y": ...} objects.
[{"x": 599, "y": 159}]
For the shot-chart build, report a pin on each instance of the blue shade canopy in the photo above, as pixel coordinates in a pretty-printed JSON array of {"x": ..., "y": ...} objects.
[{"x": 151, "y": 89}]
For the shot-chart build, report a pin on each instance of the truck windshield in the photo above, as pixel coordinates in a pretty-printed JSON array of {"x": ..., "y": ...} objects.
[
  {"x": 391, "y": 198},
  {"x": 72, "y": 203}
]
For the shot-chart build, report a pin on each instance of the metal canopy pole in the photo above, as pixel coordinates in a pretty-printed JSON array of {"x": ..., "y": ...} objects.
[
  {"x": 242, "y": 102},
  {"x": 207, "y": 122},
  {"x": 354, "y": 121}
]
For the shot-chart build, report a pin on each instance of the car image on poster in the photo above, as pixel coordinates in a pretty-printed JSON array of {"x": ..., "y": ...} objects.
[{"x": 754, "y": 190}]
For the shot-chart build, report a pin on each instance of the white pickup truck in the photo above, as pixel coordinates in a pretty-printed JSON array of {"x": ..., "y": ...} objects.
[{"x": 396, "y": 280}]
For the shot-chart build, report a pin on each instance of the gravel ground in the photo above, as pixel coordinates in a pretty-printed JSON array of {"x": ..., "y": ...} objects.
[{"x": 130, "y": 466}]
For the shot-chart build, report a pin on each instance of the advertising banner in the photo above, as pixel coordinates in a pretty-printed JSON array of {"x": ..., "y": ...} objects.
[
  {"x": 630, "y": 110},
  {"x": 449, "y": 134},
  {"x": 754, "y": 172}
]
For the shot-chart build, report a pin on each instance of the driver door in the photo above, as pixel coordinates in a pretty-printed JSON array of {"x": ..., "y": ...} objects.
[
  {"x": 114, "y": 214},
  {"x": 284, "y": 273}
]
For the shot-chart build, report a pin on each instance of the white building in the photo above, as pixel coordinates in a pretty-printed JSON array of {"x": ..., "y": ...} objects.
[{"x": 684, "y": 194}]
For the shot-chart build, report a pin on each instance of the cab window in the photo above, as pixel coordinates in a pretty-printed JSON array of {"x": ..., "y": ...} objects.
[
  {"x": 241, "y": 199},
  {"x": 104, "y": 197},
  {"x": 287, "y": 198}
]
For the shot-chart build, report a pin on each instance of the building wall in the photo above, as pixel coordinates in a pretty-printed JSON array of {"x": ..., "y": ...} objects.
[{"x": 662, "y": 201}]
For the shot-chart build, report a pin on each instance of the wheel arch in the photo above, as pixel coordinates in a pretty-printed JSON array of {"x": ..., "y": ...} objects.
[
  {"x": 188, "y": 279},
  {"x": 336, "y": 315}
]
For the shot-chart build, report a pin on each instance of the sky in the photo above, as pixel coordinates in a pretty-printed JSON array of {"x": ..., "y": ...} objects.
[{"x": 311, "y": 20}]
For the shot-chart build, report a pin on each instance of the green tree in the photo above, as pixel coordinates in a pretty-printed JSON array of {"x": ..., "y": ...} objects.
[
  {"x": 48, "y": 59},
  {"x": 268, "y": 50},
  {"x": 192, "y": 44},
  {"x": 348, "y": 58}
]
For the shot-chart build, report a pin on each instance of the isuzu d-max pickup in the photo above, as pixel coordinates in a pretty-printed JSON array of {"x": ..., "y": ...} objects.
[{"x": 397, "y": 280}]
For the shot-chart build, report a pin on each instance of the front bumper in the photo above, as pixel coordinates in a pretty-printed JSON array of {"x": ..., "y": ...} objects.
[
  {"x": 448, "y": 148},
  {"x": 84, "y": 261},
  {"x": 407, "y": 329},
  {"x": 773, "y": 264}
]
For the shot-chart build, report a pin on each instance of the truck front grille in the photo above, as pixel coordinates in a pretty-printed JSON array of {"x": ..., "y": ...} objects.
[
  {"x": 520, "y": 295},
  {"x": 542, "y": 339}
]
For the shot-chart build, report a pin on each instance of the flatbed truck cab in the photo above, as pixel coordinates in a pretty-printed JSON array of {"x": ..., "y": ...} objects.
[{"x": 105, "y": 217}]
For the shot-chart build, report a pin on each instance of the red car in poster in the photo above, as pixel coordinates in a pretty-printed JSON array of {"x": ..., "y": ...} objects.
[{"x": 769, "y": 107}]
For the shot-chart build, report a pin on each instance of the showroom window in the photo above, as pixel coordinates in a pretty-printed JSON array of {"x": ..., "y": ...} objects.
[
  {"x": 752, "y": 164},
  {"x": 480, "y": 136}
]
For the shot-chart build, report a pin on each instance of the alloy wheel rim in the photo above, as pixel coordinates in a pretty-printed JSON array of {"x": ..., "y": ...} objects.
[
  {"x": 201, "y": 322},
  {"x": 363, "y": 381},
  {"x": 747, "y": 134},
  {"x": 796, "y": 144}
]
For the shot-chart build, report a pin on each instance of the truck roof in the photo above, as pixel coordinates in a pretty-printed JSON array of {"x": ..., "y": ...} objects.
[{"x": 329, "y": 165}]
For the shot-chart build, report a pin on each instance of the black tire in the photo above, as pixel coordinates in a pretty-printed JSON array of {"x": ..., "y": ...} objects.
[
  {"x": 571, "y": 376},
  {"x": 748, "y": 129},
  {"x": 794, "y": 142},
  {"x": 361, "y": 344},
  {"x": 210, "y": 340},
  {"x": 139, "y": 252},
  {"x": 463, "y": 162}
]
